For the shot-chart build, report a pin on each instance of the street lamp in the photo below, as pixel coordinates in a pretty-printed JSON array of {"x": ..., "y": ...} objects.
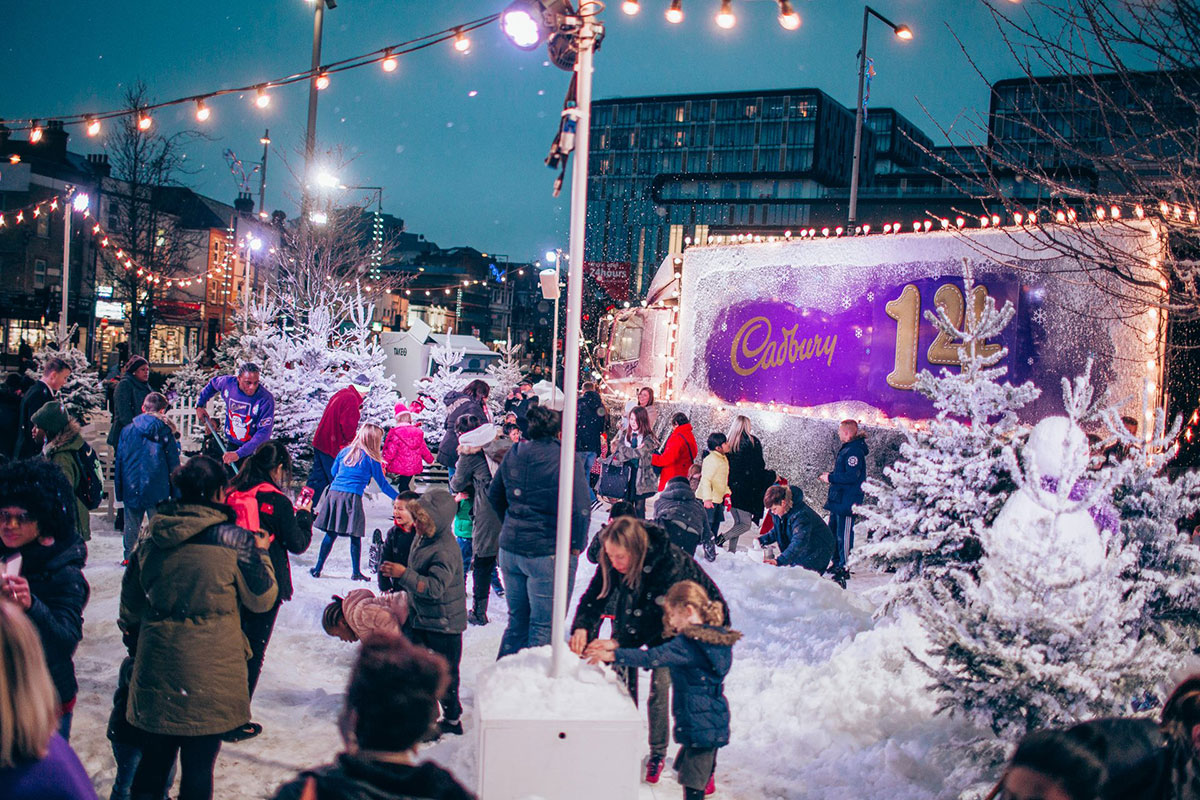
[
  {"x": 902, "y": 32},
  {"x": 310, "y": 132}
]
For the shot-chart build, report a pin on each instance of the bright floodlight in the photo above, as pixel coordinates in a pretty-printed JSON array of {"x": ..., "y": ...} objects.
[
  {"x": 319, "y": 217},
  {"x": 81, "y": 202},
  {"x": 521, "y": 26},
  {"x": 551, "y": 256},
  {"x": 327, "y": 180},
  {"x": 255, "y": 244},
  {"x": 903, "y": 32}
]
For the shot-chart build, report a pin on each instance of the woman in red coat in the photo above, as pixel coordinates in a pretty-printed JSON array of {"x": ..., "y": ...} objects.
[{"x": 678, "y": 453}]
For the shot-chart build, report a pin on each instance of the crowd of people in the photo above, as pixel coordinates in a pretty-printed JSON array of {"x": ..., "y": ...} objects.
[{"x": 207, "y": 543}]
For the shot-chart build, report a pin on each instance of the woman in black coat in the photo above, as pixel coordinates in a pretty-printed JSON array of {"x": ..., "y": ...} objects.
[
  {"x": 748, "y": 479},
  {"x": 638, "y": 565},
  {"x": 264, "y": 476},
  {"x": 37, "y": 527},
  {"x": 471, "y": 400}
]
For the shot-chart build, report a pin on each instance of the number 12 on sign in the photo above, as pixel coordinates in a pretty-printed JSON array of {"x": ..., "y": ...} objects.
[{"x": 906, "y": 311}]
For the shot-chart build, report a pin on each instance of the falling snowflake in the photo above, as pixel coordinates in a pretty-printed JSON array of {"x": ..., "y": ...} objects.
[
  {"x": 871, "y": 297},
  {"x": 1029, "y": 361},
  {"x": 858, "y": 333}
]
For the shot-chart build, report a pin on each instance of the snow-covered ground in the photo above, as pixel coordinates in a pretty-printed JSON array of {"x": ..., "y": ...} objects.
[{"x": 826, "y": 704}]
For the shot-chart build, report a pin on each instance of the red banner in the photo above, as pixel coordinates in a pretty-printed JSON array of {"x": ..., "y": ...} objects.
[{"x": 613, "y": 277}]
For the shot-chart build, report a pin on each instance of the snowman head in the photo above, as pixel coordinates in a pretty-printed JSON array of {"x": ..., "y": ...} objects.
[{"x": 1057, "y": 447}]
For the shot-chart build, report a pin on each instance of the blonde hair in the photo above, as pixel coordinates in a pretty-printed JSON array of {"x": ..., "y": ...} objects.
[
  {"x": 367, "y": 440},
  {"x": 28, "y": 702},
  {"x": 739, "y": 431},
  {"x": 403, "y": 417},
  {"x": 689, "y": 594},
  {"x": 627, "y": 533}
]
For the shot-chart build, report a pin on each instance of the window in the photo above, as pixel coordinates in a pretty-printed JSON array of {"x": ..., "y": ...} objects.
[
  {"x": 39, "y": 273},
  {"x": 43, "y": 225}
]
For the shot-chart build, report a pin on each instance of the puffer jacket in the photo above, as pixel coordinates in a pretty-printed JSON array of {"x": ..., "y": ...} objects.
[
  {"x": 846, "y": 480},
  {"x": 181, "y": 601},
  {"x": 682, "y": 515},
  {"x": 59, "y": 593},
  {"x": 404, "y": 450},
  {"x": 748, "y": 477},
  {"x": 127, "y": 405},
  {"x": 472, "y": 474},
  {"x": 367, "y": 613},
  {"x": 524, "y": 493},
  {"x": 357, "y": 778},
  {"x": 804, "y": 539},
  {"x": 146, "y": 457},
  {"x": 435, "y": 583},
  {"x": 457, "y": 405},
  {"x": 291, "y": 532},
  {"x": 677, "y": 455},
  {"x": 591, "y": 422},
  {"x": 637, "y": 615},
  {"x": 646, "y": 482},
  {"x": 699, "y": 658},
  {"x": 62, "y": 450},
  {"x": 714, "y": 479}
]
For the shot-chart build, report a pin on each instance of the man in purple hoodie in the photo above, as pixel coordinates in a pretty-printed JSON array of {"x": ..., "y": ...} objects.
[{"x": 249, "y": 411}]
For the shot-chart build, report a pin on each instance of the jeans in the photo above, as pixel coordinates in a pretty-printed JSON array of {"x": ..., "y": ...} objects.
[
  {"x": 321, "y": 475},
  {"x": 843, "y": 531},
  {"x": 449, "y": 646},
  {"x": 465, "y": 547},
  {"x": 197, "y": 757},
  {"x": 127, "y": 756},
  {"x": 588, "y": 460},
  {"x": 529, "y": 589},
  {"x": 741, "y": 524},
  {"x": 658, "y": 706},
  {"x": 133, "y": 526},
  {"x": 327, "y": 545}
]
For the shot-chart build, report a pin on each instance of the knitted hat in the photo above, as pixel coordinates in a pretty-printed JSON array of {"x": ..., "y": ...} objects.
[
  {"x": 402, "y": 409},
  {"x": 52, "y": 418}
]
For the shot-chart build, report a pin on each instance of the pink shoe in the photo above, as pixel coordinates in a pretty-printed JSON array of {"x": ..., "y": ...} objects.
[
  {"x": 654, "y": 768},
  {"x": 712, "y": 786}
]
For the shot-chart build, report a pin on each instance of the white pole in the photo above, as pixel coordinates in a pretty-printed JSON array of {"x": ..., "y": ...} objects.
[
  {"x": 566, "y": 472},
  {"x": 554, "y": 340},
  {"x": 66, "y": 270}
]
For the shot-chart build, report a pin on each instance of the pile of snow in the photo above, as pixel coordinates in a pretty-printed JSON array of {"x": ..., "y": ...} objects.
[{"x": 520, "y": 687}]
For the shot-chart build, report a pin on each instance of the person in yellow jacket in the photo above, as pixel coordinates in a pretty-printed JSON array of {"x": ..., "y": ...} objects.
[{"x": 714, "y": 490}]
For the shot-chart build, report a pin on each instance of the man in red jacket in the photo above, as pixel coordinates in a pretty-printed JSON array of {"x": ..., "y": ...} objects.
[{"x": 336, "y": 429}]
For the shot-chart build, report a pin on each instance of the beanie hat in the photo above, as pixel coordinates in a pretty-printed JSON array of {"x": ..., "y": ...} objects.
[
  {"x": 135, "y": 363},
  {"x": 52, "y": 418},
  {"x": 402, "y": 409}
]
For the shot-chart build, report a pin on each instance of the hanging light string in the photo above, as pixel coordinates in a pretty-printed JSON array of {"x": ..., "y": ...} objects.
[
  {"x": 450, "y": 288},
  {"x": 19, "y": 216},
  {"x": 384, "y": 55}
]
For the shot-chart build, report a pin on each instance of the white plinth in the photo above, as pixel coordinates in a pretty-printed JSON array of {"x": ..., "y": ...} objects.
[{"x": 578, "y": 736}]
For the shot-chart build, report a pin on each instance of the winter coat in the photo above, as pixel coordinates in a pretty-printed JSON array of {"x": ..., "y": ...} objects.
[
  {"x": 126, "y": 406},
  {"x": 677, "y": 455},
  {"x": 146, "y": 456},
  {"x": 524, "y": 494},
  {"x": 291, "y": 532},
  {"x": 441, "y": 507},
  {"x": 472, "y": 474},
  {"x": 59, "y": 593},
  {"x": 367, "y": 614},
  {"x": 748, "y": 477},
  {"x": 181, "y": 600},
  {"x": 651, "y": 411},
  {"x": 699, "y": 658},
  {"x": 804, "y": 539},
  {"x": 355, "y": 479},
  {"x": 32, "y": 401},
  {"x": 339, "y": 421},
  {"x": 457, "y": 405},
  {"x": 678, "y": 511},
  {"x": 435, "y": 583},
  {"x": 714, "y": 479},
  {"x": 645, "y": 482},
  {"x": 638, "y": 617},
  {"x": 591, "y": 423},
  {"x": 58, "y": 776},
  {"x": 356, "y": 778},
  {"x": 249, "y": 418},
  {"x": 397, "y": 544},
  {"x": 10, "y": 420},
  {"x": 846, "y": 480},
  {"x": 63, "y": 451},
  {"x": 404, "y": 450}
]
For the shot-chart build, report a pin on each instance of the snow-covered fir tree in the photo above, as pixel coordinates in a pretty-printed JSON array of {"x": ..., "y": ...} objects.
[
  {"x": 505, "y": 376},
  {"x": 432, "y": 393},
  {"x": 927, "y": 515},
  {"x": 361, "y": 355},
  {"x": 187, "y": 381},
  {"x": 1046, "y": 631},
  {"x": 82, "y": 393}
]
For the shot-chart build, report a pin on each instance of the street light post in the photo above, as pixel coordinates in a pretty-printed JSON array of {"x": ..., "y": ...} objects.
[
  {"x": 902, "y": 32},
  {"x": 310, "y": 133}
]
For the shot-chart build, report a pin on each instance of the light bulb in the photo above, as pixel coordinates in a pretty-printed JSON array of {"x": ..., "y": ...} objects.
[
  {"x": 631, "y": 7},
  {"x": 788, "y": 18},
  {"x": 323, "y": 80},
  {"x": 389, "y": 63},
  {"x": 35, "y": 134},
  {"x": 262, "y": 99},
  {"x": 904, "y": 32},
  {"x": 675, "y": 12},
  {"x": 93, "y": 127},
  {"x": 725, "y": 17},
  {"x": 202, "y": 111},
  {"x": 462, "y": 43},
  {"x": 144, "y": 122}
]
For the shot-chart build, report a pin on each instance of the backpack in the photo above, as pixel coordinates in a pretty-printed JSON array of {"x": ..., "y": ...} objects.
[
  {"x": 244, "y": 503},
  {"x": 90, "y": 489}
]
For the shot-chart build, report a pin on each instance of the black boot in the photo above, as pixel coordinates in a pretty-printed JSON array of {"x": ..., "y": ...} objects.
[{"x": 693, "y": 794}]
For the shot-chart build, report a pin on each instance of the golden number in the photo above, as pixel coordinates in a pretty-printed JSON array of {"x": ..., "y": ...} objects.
[
  {"x": 948, "y": 298},
  {"x": 906, "y": 310},
  {"x": 979, "y": 298}
]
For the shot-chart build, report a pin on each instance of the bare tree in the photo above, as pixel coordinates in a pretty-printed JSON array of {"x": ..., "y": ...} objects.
[
  {"x": 1107, "y": 117},
  {"x": 144, "y": 164}
]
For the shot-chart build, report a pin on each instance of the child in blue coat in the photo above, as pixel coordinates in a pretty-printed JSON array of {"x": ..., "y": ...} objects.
[{"x": 699, "y": 656}]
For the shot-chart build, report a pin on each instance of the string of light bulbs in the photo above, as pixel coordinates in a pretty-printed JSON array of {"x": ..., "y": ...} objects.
[
  {"x": 788, "y": 18},
  {"x": 386, "y": 57}
]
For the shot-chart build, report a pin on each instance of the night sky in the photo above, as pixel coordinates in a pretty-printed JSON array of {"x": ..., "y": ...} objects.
[{"x": 463, "y": 169}]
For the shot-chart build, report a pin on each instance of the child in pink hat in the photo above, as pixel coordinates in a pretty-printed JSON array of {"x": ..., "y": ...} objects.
[{"x": 404, "y": 450}]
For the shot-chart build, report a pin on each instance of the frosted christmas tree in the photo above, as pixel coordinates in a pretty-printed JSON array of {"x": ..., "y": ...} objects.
[
  {"x": 448, "y": 378},
  {"x": 361, "y": 355},
  {"x": 505, "y": 375},
  {"x": 187, "y": 381},
  {"x": 82, "y": 393},
  {"x": 928, "y": 515}
]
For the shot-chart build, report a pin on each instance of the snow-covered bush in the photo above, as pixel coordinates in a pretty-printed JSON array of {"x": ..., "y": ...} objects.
[
  {"x": 82, "y": 393},
  {"x": 447, "y": 378}
]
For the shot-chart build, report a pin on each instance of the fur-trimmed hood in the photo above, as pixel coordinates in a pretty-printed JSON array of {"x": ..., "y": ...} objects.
[
  {"x": 712, "y": 634},
  {"x": 65, "y": 440}
]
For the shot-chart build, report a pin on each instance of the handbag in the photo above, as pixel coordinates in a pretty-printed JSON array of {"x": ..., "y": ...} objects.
[{"x": 614, "y": 479}]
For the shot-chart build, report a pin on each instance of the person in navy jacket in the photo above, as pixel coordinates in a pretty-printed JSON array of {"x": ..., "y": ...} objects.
[
  {"x": 803, "y": 537},
  {"x": 845, "y": 491}
]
